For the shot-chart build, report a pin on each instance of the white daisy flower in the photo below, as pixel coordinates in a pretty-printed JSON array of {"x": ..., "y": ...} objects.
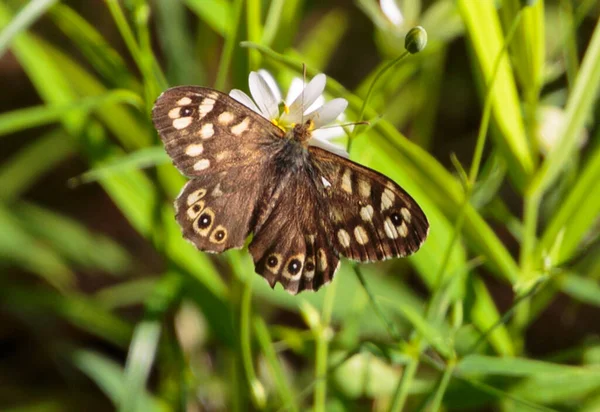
[{"x": 301, "y": 105}]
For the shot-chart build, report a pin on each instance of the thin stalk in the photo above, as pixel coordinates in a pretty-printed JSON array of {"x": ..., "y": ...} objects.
[
  {"x": 253, "y": 14},
  {"x": 378, "y": 75},
  {"x": 401, "y": 394},
  {"x": 322, "y": 351},
  {"x": 229, "y": 46},
  {"x": 443, "y": 386},
  {"x": 376, "y": 306}
]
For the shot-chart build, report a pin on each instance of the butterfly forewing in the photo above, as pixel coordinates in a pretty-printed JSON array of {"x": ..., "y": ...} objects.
[
  {"x": 207, "y": 131},
  {"x": 226, "y": 148}
]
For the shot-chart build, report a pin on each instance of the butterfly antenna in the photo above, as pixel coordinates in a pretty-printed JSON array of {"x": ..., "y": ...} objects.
[{"x": 303, "y": 86}]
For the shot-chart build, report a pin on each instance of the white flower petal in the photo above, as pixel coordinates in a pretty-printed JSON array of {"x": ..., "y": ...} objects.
[
  {"x": 328, "y": 112},
  {"x": 294, "y": 90},
  {"x": 270, "y": 80},
  {"x": 330, "y": 147},
  {"x": 308, "y": 96},
  {"x": 318, "y": 103},
  {"x": 244, "y": 99},
  {"x": 329, "y": 133},
  {"x": 392, "y": 11},
  {"x": 263, "y": 96}
]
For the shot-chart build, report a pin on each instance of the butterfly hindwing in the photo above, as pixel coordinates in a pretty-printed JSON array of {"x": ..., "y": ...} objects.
[
  {"x": 292, "y": 246},
  {"x": 372, "y": 218},
  {"x": 207, "y": 131}
]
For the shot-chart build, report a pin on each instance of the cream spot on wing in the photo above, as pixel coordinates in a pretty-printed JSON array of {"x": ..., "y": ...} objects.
[
  {"x": 222, "y": 155},
  {"x": 361, "y": 235},
  {"x": 202, "y": 164},
  {"x": 364, "y": 188},
  {"x": 213, "y": 95},
  {"x": 325, "y": 182},
  {"x": 184, "y": 101},
  {"x": 387, "y": 199},
  {"x": 241, "y": 127},
  {"x": 390, "y": 229},
  {"x": 322, "y": 260},
  {"x": 217, "y": 191},
  {"x": 182, "y": 122},
  {"x": 194, "y": 150},
  {"x": 225, "y": 118},
  {"x": 206, "y": 107},
  {"x": 406, "y": 214},
  {"x": 366, "y": 213},
  {"x": 194, "y": 210},
  {"x": 343, "y": 238},
  {"x": 309, "y": 274},
  {"x": 207, "y": 131},
  {"x": 403, "y": 230},
  {"x": 195, "y": 196},
  {"x": 347, "y": 181},
  {"x": 174, "y": 113}
]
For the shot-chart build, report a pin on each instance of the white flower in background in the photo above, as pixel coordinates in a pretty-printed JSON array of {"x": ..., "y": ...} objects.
[
  {"x": 550, "y": 126},
  {"x": 392, "y": 11},
  {"x": 301, "y": 104}
]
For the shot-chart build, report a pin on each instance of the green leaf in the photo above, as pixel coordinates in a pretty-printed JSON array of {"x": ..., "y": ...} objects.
[
  {"x": 215, "y": 13},
  {"x": 485, "y": 35},
  {"x": 32, "y": 11},
  {"x": 490, "y": 365},
  {"x": 23, "y": 169},
  {"x": 108, "y": 375}
]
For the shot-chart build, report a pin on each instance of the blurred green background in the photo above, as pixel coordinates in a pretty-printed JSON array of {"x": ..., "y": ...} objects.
[{"x": 493, "y": 129}]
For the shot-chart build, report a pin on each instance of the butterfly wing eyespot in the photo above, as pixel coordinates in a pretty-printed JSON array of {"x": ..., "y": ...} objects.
[{"x": 372, "y": 217}]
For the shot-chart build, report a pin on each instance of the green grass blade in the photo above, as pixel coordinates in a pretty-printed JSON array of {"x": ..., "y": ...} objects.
[
  {"x": 140, "y": 358},
  {"x": 215, "y": 13},
  {"x": 579, "y": 105},
  {"x": 18, "y": 173},
  {"x": 140, "y": 159},
  {"x": 72, "y": 240},
  {"x": 490, "y": 365},
  {"x": 28, "y": 15},
  {"x": 108, "y": 375},
  {"x": 21, "y": 248},
  {"x": 21, "y": 119},
  {"x": 484, "y": 31}
]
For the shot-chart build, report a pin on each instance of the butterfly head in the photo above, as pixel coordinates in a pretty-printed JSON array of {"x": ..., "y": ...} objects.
[{"x": 302, "y": 132}]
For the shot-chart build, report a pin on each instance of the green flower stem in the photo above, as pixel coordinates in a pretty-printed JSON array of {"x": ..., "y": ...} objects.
[
  {"x": 253, "y": 24},
  {"x": 376, "y": 306},
  {"x": 443, "y": 386},
  {"x": 322, "y": 337},
  {"x": 273, "y": 363},
  {"x": 272, "y": 22},
  {"x": 118, "y": 16},
  {"x": 378, "y": 75},
  {"x": 230, "y": 44},
  {"x": 403, "y": 388}
]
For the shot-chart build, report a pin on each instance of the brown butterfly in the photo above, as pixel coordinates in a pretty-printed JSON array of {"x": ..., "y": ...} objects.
[{"x": 304, "y": 205}]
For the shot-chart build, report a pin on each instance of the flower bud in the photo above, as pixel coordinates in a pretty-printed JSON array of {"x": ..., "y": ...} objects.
[{"x": 415, "y": 40}]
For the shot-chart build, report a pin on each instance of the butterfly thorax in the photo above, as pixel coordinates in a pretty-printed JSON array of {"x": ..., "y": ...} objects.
[{"x": 302, "y": 132}]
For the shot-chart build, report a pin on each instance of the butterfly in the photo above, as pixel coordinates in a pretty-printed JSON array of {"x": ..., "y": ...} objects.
[{"x": 305, "y": 206}]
